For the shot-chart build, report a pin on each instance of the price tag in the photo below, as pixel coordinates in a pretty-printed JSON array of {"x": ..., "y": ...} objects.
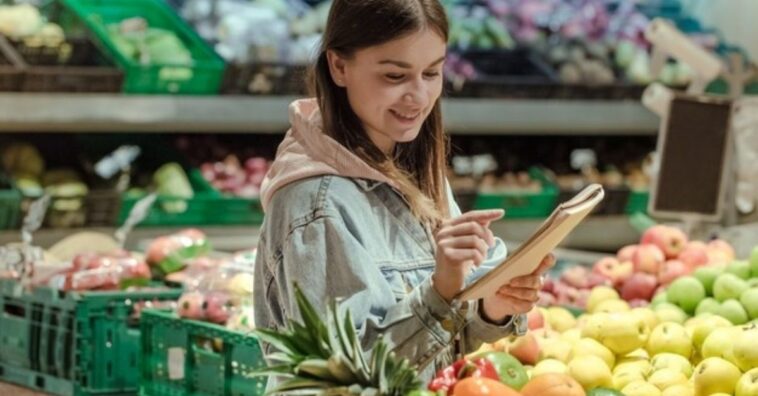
[
  {"x": 176, "y": 358},
  {"x": 140, "y": 210}
]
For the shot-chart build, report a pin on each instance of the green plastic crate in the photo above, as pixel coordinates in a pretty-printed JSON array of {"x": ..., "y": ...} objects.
[
  {"x": 207, "y": 207},
  {"x": 204, "y": 76},
  {"x": 638, "y": 201},
  {"x": 522, "y": 204},
  {"x": 71, "y": 343},
  {"x": 10, "y": 209},
  {"x": 176, "y": 359}
]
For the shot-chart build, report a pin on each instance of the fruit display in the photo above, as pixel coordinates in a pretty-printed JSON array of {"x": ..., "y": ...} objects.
[
  {"x": 638, "y": 272},
  {"x": 646, "y": 351},
  {"x": 24, "y": 22},
  {"x": 170, "y": 253},
  {"x": 97, "y": 271},
  {"x": 231, "y": 177}
]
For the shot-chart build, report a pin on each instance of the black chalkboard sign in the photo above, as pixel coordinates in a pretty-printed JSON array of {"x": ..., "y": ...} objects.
[{"x": 695, "y": 148}]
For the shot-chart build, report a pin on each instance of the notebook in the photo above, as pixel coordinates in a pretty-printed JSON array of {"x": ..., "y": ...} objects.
[{"x": 528, "y": 256}]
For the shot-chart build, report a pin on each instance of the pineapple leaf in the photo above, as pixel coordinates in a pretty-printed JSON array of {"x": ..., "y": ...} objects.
[
  {"x": 279, "y": 370},
  {"x": 303, "y": 339},
  {"x": 315, "y": 368},
  {"x": 279, "y": 340},
  {"x": 283, "y": 358},
  {"x": 299, "y": 383},
  {"x": 311, "y": 319}
]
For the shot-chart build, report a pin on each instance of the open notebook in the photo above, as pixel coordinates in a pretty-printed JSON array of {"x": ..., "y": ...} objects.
[{"x": 528, "y": 256}]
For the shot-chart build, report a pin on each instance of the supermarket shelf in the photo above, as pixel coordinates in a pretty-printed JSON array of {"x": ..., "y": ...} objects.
[
  {"x": 605, "y": 233},
  {"x": 243, "y": 114}
]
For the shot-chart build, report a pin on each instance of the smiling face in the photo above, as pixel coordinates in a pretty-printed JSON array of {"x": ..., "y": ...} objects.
[{"x": 392, "y": 87}]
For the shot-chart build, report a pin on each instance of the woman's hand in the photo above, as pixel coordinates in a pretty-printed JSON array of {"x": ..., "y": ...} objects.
[
  {"x": 462, "y": 243},
  {"x": 519, "y": 296}
]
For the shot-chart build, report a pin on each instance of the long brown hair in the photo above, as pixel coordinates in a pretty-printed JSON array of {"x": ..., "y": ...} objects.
[{"x": 417, "y": 167}]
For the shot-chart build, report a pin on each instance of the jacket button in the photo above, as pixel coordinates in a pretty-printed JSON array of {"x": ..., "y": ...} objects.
[{"x": 448, "y": 324}]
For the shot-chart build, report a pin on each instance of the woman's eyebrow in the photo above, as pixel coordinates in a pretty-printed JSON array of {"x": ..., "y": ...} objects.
[{"x": 406, "y": 65}]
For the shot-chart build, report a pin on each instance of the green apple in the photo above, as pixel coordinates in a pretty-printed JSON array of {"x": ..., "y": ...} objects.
[
  {"x": 670, "y": 337},
  {"x": 708, "y": 306},
  {"x": 714, "y": 375},
  {"x": 510, "y": 370},
  {"x": 668, "y": 312},
  {"x": 740, "y": 268},
  {"x": 672, "y": 361},
  {"x": 686, "y": 292},
  {"x": 749, "y": 300},
  {"x": 707, "y": 276},
  {"x": 720, "y": 343},
  {"x": 745, "y": 348},
  {"x": 734, "y": 311},
  {"x": 705, "y": 327},
  {"x": 729, "y": 286},
  {"x": 748, "y": 384},
  {"x": 666, "y": 377},
  {"x": 753, "y": 282},
  {"x": 754, "y": 262},
  {"x": 661, "y": 297}
]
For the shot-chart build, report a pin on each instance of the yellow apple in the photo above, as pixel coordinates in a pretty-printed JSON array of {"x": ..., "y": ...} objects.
[
  {"x": 600, "y": 294},
  {"x": 748, "y": 384},
  {"x": 715, "y": 375},
  {"x": 720, "y": 343},
  {"x": 591, "y": 372},
  {"x": 622, "y": 332},
  {"x": 610, "y": 306},
  {"x": 670, "y": 337},
  {"x": 560, "y": 319},
  {"x": 572, "y": 335},
  {"x": 745, "y": 348},
  {"x": 705, "y": 326},
  {"x": 590, "y": 347},
  {"x": 641, "y": 388},
  {"x": 647, "y": 315},
  {"x": 672, "y": 361},
  {"x": 623, "y": 378},
  {"x": 555, "y": 348},
  {"x": 634, "y": 364},
  {"x": 679, "y": 390},
  {"x": 666, "y": 378},
  {"x": 638, "y": 353},
  {"x": 549, "y": 366}
]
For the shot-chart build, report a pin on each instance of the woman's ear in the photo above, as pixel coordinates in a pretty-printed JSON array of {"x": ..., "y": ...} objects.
[{"x": 336, "y": 67}]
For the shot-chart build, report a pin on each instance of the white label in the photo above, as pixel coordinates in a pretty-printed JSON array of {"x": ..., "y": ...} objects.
[{"x": 176, "y": 358}]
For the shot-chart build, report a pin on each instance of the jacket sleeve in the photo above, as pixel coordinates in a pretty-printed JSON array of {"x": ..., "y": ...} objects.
[
  {"x": 478, "y": 330},
  {"x": 327, "y": 261}
]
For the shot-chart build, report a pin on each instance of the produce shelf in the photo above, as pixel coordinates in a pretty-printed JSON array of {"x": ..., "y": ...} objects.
[{"x": 268, "y": 114}]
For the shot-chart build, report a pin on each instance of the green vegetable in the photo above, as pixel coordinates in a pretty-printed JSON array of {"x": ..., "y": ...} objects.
[{"x": 510, "y": 370}]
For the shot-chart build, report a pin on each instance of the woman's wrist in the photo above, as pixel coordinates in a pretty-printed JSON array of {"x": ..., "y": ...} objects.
[{"x": 495, "y": 321}]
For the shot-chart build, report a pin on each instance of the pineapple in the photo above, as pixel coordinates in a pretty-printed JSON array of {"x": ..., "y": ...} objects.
[{"x": 320, "y": 358}]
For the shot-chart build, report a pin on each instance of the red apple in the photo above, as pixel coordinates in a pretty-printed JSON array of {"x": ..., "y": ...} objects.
[
  {"x": 576, "y": 276},
  {"x": 670, "y": 240},
  {"x": 549, "y": 285},
  {"x": 626, "y": 253},
  {"x": 640, "y": 286},
  {"x": 546, "y": 299},
  {"x": 596, "y": 280},
  {"x": 694, "y": 255},
  {"x": 720, "y": 252},
  {"x": 256, "y": 165},
  {"x": 535, "y": 320},
  {"x": 191, "y": 305},
  {"x": 525, "y": 349},
  {"x": 218, "y": 307},
  {"x": 615, "y": 271},
  {"x": 648, "y": 258},
  {"x": 671, "y": 270},
  {"x": 637, "y": 303}
]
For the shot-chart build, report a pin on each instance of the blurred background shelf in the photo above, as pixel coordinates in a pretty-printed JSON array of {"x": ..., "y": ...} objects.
[{"x": 267, "y": 114}]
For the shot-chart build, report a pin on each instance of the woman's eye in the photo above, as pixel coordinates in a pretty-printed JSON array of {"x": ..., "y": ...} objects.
[
  {"x": 431, "y": 74},
  {"x": 395, "y": 77}
]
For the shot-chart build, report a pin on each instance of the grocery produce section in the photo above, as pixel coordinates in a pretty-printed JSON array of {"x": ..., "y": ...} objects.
[{"x": 135, "y": 136}]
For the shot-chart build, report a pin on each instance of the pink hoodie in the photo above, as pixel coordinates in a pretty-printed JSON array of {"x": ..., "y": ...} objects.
[{"x": 308, "y": 152}]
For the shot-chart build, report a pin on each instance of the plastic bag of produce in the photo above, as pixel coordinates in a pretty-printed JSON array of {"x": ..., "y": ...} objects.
[
  {"x": 171, "y": 253},
  {"x": 91, "y": 271}
]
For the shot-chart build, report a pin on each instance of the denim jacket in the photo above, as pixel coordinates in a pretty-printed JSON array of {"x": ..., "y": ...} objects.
[{"x": 357, "y": 240}]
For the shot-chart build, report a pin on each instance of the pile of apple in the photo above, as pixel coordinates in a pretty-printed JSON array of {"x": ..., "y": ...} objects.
[
  {"x": 729, "y": 291},
  {"x": 639, "y": 271},
  {"x": 643, "y": 351},
  {"x": 230, "y": 176}
]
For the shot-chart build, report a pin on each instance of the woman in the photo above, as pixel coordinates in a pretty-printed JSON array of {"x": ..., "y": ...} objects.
[{"x": 357, "y": 204}]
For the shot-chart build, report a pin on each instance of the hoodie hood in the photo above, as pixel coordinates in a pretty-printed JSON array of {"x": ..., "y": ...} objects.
[{"x": 307, "y": 151}]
